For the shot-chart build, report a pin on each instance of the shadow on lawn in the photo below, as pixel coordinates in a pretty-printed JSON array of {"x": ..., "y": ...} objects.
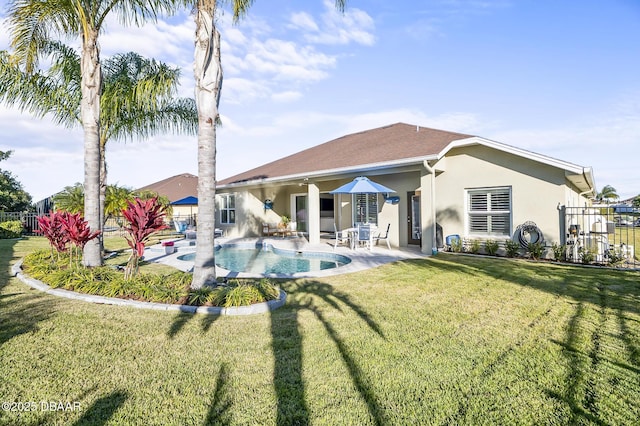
[
  {"x": 574, "y": 282},
  {"x": 313, "y": 296},
  {"x": 318, "y": 298},
  {"x": 20, "y": 312},
  {"x": 102, "y": 409},
  {"x": 598, "y": 295},
  {"x": 219, "y": 409}
]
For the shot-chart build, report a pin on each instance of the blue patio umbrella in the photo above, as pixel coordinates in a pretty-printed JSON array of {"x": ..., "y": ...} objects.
[
  {"x": 186, "y": 201},
  {"x": 361, "y": 185}
]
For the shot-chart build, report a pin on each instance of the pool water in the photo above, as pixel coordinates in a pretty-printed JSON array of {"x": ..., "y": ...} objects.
[{"x": 267, "y": 260}]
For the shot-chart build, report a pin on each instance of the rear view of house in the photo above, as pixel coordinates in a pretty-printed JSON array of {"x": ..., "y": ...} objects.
[{"x": 445, "y": 183}]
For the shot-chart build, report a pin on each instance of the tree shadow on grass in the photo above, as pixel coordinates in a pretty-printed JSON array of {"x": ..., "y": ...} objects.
[
  {"x": 576, "y": 383},
  {"x": 102, "y": 409},
  {"x": 20, "y": 311},
  {"x": 181, "y": 320},
  {"x": 574, "y": 282},
  {"x": 313, "y": 296},
  {"x": 602, "y": 291},
  {"x": 219, "y": 410}
]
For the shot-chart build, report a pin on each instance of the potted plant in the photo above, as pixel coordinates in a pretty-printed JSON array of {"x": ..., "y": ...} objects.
[
  {"x": 283, "y": 226},
  {"x": 169, "y": 248}
]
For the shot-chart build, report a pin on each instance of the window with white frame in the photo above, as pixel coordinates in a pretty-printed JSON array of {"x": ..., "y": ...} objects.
[
  {"x": 365, "y": 208},
  {"x": 227, "y": 208},
  {"x": 489, "y": 211}
]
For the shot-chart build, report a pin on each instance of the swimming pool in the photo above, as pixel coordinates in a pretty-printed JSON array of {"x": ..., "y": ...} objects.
[{"x": 267, "y": 260}]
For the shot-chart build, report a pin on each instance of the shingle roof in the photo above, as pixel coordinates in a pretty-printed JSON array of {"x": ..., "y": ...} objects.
[
  {"x": 176, "y": 187},
  {"x": 390, "y": 143}
]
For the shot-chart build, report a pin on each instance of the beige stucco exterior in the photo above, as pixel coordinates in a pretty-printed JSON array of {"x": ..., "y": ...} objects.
[{"x": 537, "y": 188}]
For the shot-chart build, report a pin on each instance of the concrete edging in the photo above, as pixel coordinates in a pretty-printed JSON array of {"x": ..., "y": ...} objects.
[{"x": 258, "y": 308}]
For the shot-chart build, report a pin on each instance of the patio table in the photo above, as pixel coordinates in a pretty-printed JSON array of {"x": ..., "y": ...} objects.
[{"x": 353, "y": 236}]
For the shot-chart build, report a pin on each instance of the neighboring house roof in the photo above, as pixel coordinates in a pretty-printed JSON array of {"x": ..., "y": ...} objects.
[
  {"x": 395, "y": 145},
  {"x": 176, "y": 187}
]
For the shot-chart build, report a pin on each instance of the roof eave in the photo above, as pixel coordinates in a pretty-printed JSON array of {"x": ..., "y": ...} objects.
[{"x": 331, "y": 172}]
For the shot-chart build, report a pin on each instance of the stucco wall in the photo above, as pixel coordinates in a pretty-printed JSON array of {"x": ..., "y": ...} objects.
[
  {"x": 536, "y": 192},
  {"x": 536, "y": 189}
]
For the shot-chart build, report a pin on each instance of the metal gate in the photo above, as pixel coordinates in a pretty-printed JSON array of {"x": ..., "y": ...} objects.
[{"x": 607, "y": 235}]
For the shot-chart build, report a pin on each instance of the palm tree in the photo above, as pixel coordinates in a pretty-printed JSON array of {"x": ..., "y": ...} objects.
[
  {"x": 607, "y": 194},
  {"x": 32, "y": 23},
  {"x": 208, "y": 85},
  {"x": 71, "y": 199},
  {"x": 137, "y": 98}
]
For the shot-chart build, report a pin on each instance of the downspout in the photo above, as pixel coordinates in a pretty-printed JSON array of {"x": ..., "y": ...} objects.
[{"x": 429, "y": 169}]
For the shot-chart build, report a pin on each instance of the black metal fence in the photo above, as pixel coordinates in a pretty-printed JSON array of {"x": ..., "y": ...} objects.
[
  {"x": 113, "y": 225},
  {"x": 602, "y": 235}
]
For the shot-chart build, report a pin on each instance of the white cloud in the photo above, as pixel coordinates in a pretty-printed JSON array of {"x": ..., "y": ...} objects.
[
  {"x": 354, "y": 25},
  {"x": 242, "y": 90},
  {"x": 303, "y": 21},
  {"x": 172, "y": 43},
  {"x": 608, "y": 142},
  {"x": 286, "y": 96}
]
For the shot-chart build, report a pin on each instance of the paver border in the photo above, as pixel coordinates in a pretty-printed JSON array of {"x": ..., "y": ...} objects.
[{"x": 258, "y": 308}]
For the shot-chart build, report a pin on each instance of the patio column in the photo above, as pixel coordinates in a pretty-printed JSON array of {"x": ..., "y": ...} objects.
[
  {"x": 313, "y": 213},
  {"x": 428, "y": 208}
]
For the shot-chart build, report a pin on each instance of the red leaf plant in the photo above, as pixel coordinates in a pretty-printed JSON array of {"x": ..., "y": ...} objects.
[
  {"x": 145, "y": 218},
  {"x": 51, "y": 227},
  {"x": 62, "y": 228},
  {"x": 78, "y": 231}
]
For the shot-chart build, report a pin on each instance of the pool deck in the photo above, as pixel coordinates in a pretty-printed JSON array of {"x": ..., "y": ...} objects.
[{"x": 361, "y": 258}]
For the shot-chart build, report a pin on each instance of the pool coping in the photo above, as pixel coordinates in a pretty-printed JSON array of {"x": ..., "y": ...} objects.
[
  {"x": 361, "y": 259},
  {"x": 257, "y": 308}
]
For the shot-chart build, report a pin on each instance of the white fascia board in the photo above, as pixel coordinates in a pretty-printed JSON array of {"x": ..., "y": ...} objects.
[
  {"x": 476, "y": 140},
  {"x": 332, "y": 172}
]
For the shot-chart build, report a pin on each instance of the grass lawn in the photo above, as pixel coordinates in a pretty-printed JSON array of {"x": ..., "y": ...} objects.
[{"x": 446, "y": 340}]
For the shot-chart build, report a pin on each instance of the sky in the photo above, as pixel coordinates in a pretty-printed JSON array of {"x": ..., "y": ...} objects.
[{"x": 559, "y": 78}]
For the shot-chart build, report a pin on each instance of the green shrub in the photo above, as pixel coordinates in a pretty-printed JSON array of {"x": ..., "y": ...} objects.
[
  {"x": 172, "y": 288},
  {"x": 511, "y": 247},
  {"x": 456, "y": 245},
  {"x": 267, "y": 289},
  {"x": 199, "y": 297},
  {"x": 218, "y": 296},
  {"x": 491, "y": 247},
  {"x": 10, "y": 229},
  {"x": 535, "y": 250},
  {"x": 559, "y": 251},
  {"x": 243, "y": 295},
  {"x": 474, "y": 246},
  {"x": 586, "y": 255},
  {"x": 614, "y": 257}
]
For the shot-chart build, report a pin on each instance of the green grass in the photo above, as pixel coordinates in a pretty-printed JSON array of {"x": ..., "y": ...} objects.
[{"x": 446, "y": 340}]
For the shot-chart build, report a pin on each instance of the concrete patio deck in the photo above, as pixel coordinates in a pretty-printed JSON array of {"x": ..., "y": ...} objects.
[{"x": 361, "y": 258}]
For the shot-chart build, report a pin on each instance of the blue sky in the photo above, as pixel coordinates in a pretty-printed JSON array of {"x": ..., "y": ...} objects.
[{"x": 556, "y": 78}]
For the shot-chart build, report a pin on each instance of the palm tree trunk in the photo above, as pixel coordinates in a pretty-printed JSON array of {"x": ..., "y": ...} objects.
[
  {"x": 90, "y": 113},
  {"x": 208, "y": 79},
  {"x": 103, "y": 190}
]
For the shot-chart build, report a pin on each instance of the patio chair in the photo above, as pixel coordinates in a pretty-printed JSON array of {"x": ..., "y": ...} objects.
[
  {"x": 293, "y": 229},
  {"x": 364, "y": 235},
  {"x": 342, "y": 237},
  {"x": 269, "y": 229},
  {"x": 181, "y": 226},
  {"x": 384, "y": 237}
]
